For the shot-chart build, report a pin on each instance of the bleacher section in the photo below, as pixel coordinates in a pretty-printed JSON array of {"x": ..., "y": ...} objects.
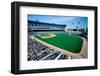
[
  {"x": 37, "y": 51},
  {"x": 41, "y": 26}
]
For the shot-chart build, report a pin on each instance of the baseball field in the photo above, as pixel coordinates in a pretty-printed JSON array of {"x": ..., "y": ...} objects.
[{"x": 67, "y": 42}]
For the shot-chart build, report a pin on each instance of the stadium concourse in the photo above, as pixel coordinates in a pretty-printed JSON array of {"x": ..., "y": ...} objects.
[{"x": 47, "y": 41}]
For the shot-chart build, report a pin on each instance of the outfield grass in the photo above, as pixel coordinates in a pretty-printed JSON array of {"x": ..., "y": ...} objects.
[{"x": 71, "y": 43}]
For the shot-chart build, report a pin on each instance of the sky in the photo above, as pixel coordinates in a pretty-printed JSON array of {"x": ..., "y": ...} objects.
[{"x": 70, "y": 21}]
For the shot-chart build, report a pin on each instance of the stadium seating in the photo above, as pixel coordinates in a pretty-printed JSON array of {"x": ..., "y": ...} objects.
[{"x": 37, "y": 51}]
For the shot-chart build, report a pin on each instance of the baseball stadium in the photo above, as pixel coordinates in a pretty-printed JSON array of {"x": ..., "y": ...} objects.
[{"x": 52, "y": 41}]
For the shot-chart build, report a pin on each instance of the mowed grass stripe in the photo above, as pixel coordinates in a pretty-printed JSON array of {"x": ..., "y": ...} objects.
[{"x": 71, "y": 43}]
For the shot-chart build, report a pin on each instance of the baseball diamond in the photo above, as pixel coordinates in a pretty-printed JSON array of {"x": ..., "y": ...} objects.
[{"x": 72, "y": 43}]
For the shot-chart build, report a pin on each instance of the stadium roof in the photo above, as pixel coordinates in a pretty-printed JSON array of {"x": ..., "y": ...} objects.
[{"x": 38, "y": 22}]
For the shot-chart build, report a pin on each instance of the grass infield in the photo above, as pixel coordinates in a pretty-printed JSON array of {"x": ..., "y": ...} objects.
[{"x": 71, "y": 43}]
